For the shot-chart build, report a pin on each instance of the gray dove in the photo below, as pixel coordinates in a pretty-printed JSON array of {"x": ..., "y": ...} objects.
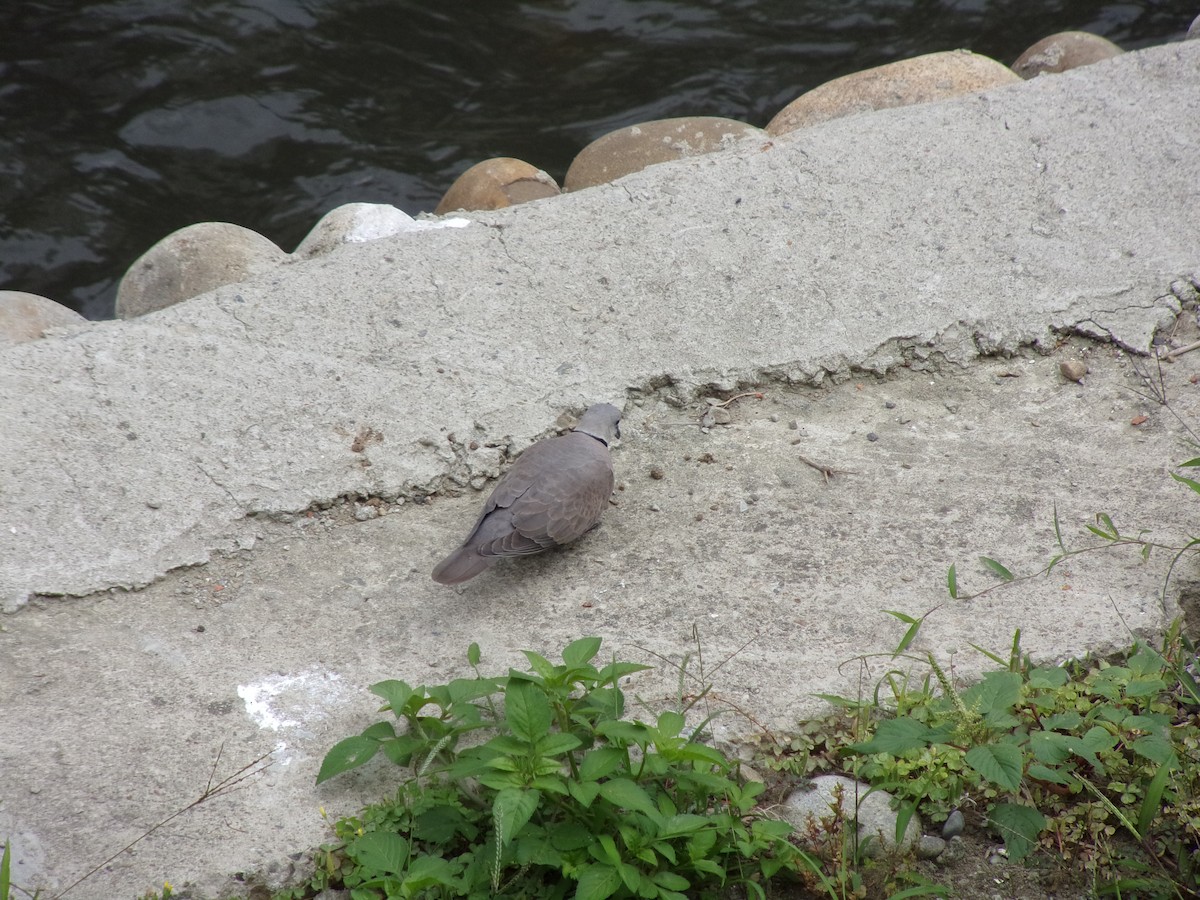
[{"x": 553, "y": 494}]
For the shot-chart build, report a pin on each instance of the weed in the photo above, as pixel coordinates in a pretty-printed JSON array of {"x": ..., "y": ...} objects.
[{"x": 563, "y": 798}]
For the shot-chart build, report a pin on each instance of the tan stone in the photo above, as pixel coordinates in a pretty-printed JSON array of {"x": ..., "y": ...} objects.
[
  {"x": 193, "y": 260},
  {"x": 25, "y": 317},
  {"x": 922, "y": 79},
  {"x": 497, "y": 183},
  {"x": 1062, "y": 51},
  {"x": 628, "y": 150}
]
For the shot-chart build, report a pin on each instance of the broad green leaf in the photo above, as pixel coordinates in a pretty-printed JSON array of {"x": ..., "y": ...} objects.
[
  {"x": 999, "y": 763},
  {"x": 998, "y": 692},
  {"x": 1192, "y": 462},
  {"x": 627, "y": 794},
  {"x": 671, "y": 881},
  {"x": 581, "y": 652},
  {"x": 345, "y": 755},
  {"x": 584, "y": 792},
  {"x": 1154, "y": 748},
  {"x": 394, "y": 693},
  {"x": 682, "y": 824},
  {"x": 538, "y": 663},
  {"x": 1050, "y": 747},
  {"x": 427, "y": 871},
  {"x": 511, "y": 809},
  {"x": 996, "y": 567},
  {"x": 898, "y": 736},
  {"x": 1044, "y": 773},
  {"x": 527, "y": 710},
  {"x": 1049, "y": 677},
  {"x": 700, "y": 753},
  {"x": 382, "y": 851},
  {"x": 952, "y": 582},
  {"x": 557, "y": 744},
  {"x": 473, "y": 655},
  {"x": 601, "y": 762},
  {"x": 1019, "y": 825},
  {"x": 597, "y": 882},
  {"x": 1065, "y": 721},
  {"x": 670, "y": 723}
]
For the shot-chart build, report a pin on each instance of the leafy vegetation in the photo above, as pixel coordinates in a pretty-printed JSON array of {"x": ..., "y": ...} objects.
[{"x": 564, "y": 797}]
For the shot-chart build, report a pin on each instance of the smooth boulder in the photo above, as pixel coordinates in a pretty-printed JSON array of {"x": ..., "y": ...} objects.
[
  {"x": 25, "y": 317},
  {"x": 191, "y": 261},
  {"x": 496, "y": 183},
  {"x": 1063, "y": 51},
  {"x": 922, "y": 79},
  {"x": 628, "y": 150}
]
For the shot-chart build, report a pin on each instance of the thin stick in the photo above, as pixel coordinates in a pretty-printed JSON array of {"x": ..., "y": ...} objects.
[{"x": 222, "y": 787}]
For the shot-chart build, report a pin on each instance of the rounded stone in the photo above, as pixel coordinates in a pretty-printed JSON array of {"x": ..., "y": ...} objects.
[
  {"x": 497, "y": 183},
  {"x": 922, "y": 79},
  {"x": 955, "y": 824},
  {"x": 628, "y": 150},
  {"x": 191, "y": 261},
  {"x": 876, "y": 819},
  {"x": 1073, "y": 369},
  {"x": 1193, "y": 29},
  {"x": 353, "y": 223},
  {"x": 25, "y": 317},
  {"x": 1062, "y": 51}
]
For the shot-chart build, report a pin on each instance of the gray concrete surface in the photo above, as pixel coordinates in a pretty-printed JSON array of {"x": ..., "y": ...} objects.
[{"x": 902, "y": 286}]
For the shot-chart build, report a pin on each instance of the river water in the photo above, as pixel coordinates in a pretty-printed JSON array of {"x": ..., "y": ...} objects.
[{"x": 121, "y": 121}]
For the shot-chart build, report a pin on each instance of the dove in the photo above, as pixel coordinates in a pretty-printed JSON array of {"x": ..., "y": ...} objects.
[{"x": 553, "y": 494}]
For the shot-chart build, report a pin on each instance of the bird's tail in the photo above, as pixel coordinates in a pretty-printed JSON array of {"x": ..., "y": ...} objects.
[{"x": 461, "y": 565}]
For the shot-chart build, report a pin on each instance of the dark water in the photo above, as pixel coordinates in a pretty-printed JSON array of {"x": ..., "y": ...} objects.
[{"x": 121, "y": 121}]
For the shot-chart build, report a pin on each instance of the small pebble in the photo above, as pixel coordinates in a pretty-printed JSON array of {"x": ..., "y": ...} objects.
[
  {"x": 930, "y": 847},
  {"x": 872, "y": 436},
  {"x": 955, "y": 823},
  {"x": 657, "y": 473},
  {"x": 720, "y": 416},
  {"x": 654, "y": 507},
  {"x": 774, "y": 417},
  {"x": 889, "y": 404},
  {"x": 1073, "y": 369}
]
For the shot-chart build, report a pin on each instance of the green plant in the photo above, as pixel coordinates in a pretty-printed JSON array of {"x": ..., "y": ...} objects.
[
  {"x": 563, "y": 797},
  {"x": 1098, "y": 762}
]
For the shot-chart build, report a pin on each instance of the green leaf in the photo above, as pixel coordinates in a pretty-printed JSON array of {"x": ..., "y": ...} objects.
[
  {"x": 671, "y": 881},
  {"x": 1192, "y": 483},
  {"x": 380, "y": 851},
  {"x": 581, "y": 652},
  {"x": 1044, "y": 773},
  {"x": 1153, "y": 798},
  {"x": 601, "y": 762},
  {"x": 557, "y": 744},
  {"x": 1019, "y": 825},
  {"x": 898, "y": 736},
  {"x": 1049, "y": 677},
  {"x": 473, "y": 655},
  {"x": 1000, "y": 764},
  {"x": 394, "y": 693},
  {"x": 511, "y": 809},
  {"x": 597, "y": 882},
  {"x": 996, "y": 567},
  {"x": 670, "y": 723},
  {"x": 346, "y": 754},
  {"x": 914, "y": 626},
  {"x": 427, "y": 871},
  {"x": 997, "y": 693},
  {"x": 952, "y": 582},
  {"x": 527, "y": 710},
  {"x": 542, "y": 666},
  {"x": 584, "y": 792},
  {"x": 628, "y": 795},
  {"x": 5, "y": 860},
  {"x": 1154, "y": 748},
  {"x": 1050, "y": 747}
]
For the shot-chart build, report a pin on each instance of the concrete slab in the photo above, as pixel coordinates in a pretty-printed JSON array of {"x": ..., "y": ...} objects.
[{"x": 901, "y": 285}]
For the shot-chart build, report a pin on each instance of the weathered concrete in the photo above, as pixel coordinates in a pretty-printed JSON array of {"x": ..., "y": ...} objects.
[{"x": 922, "y": 257}]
